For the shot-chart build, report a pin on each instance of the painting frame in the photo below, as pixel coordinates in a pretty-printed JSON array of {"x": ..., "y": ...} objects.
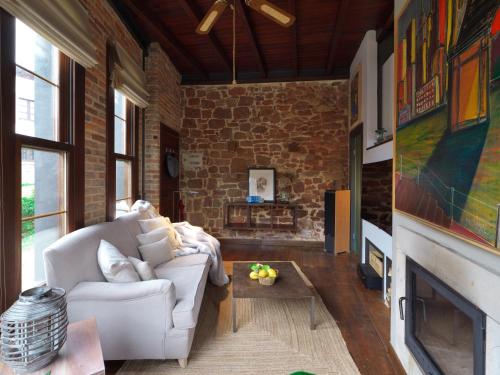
[
  {"x": 268, "y": 176},
  {"x": 356, "y": 97},
  {"x": 492, "y": 84}
]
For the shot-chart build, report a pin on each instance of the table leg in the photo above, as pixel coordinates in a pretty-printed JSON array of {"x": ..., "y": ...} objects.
[
  {"x": 312, "y": 313},
  {"x": 233, "y": 311}
]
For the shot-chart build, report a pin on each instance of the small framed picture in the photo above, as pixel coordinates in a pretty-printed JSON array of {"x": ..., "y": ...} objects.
[{"x": 262, "y": 182}]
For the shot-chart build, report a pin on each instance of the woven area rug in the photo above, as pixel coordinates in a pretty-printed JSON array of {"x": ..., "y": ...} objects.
[{"x": 273, "y": 338}]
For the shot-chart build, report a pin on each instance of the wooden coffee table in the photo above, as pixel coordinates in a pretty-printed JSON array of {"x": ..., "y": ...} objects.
[{"x": 289, "y": 285}]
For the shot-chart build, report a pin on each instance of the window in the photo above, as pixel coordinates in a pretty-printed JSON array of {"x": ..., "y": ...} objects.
[
  {"x": 124, "y": 122},
  {"x": 45, "y": 138},
  {"x": 37, "y": 85},
  {"x": 469, "y": 86},
  {"x": 44, "y": 218}
]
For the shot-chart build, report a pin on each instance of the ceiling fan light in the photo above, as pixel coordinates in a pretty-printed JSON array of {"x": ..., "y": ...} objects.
[
  {"x": 279, "y": 16},
  {"x": 211, "y": 16},
  {"x": 272, "y": 12},
  {"x": 208, "y": 21}
]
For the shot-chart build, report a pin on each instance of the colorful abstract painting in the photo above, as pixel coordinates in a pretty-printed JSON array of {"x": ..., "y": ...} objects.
[{"x": 448, "y": 116}]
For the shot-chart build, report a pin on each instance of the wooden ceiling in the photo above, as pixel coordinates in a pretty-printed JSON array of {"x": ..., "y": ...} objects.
[{"x": 320, "y": 45}]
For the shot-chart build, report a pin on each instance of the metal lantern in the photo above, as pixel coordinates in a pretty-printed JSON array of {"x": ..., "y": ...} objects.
[{"x": 33, "y": 329}]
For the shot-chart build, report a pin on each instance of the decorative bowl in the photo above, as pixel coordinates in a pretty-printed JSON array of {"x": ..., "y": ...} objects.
[{"x": 267, "y": 281}]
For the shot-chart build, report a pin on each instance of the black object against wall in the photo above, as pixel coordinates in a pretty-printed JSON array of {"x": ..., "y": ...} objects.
[{"x": 329, "y": 220}]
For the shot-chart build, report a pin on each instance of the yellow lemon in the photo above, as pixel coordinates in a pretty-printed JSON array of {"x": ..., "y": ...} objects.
[
  {"x": 272, "y": 273},
  {"x": 262, "y": 273},
  {"x": 254, "y": 275}
]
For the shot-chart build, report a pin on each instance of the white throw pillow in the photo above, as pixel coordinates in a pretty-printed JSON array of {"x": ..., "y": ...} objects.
[
  {"x": 157, "y": 253},
  {"x": 144, "y": 269},
  {"x": 156, "y": 227},
  {"x": 115, "y": 266},
  {"x": 152, "y": 224},
  {"x": 154, "y": 236}
]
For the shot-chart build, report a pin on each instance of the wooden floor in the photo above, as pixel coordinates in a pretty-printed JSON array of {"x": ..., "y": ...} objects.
[{"x": 363, "y": 318}]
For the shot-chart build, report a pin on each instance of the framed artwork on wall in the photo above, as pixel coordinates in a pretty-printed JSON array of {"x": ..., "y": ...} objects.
[
  {"x": 447, "y": 111},
  {"x": 262, "y": 182},
  {"x": 355, "y": 97}
]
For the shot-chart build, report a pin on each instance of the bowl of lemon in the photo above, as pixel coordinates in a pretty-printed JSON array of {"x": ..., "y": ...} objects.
[{"x": 264, "y": 273}]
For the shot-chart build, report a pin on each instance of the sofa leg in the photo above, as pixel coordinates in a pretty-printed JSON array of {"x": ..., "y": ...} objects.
[{"x": 183, "y": 362}]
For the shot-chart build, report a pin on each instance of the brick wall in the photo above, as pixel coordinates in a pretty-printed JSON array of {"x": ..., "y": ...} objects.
[
  {"x": 164, "y": 108},
  {"x": 105, "y": 24},
  {"x": 376, "y": 197},
  {"x": 299, "y": 128}
]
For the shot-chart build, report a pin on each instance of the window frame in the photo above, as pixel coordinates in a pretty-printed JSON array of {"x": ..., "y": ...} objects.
[
  {"x": 71, "y": 143},
  {"x": 132, "y": 140},
  {"x": 458, "y": 62}
]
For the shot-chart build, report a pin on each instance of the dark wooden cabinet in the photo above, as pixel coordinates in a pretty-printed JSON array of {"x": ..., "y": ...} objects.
[{"x": 278, "y": 216}]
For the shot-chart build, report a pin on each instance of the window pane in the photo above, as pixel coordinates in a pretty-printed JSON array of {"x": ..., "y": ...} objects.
[
  {"x": 36, "y": 106},
  {"x": 43, "y": 179},
  {"x": 37, "y": 235},
  {"x": 120, "y": 105},
  {"x": 36, "y": 54},
  {"x": 123, "y": 186},
  {"x": 120, "y": 136},
  {"x": 43, "y": 191}
]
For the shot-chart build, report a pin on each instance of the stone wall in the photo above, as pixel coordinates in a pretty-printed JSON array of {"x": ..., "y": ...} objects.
[
  {"x": 376, "y": 196},
  {"x": 299, "y": 128},
  {"x": 164, "y": 108},
  {"x": 105, "y": 25}
]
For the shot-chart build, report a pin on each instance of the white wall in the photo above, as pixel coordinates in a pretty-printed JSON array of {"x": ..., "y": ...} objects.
[{"x": 366, "y": 57}]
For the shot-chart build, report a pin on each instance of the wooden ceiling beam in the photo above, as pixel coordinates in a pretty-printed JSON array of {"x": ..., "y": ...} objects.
[
  {"x": 164, "y": 36},
  {"x": 295, "y": 44},
  {"x": 243, "y": 10},
  {"x": 337, "y": 31},
  {"x": 195, "y": 15}
]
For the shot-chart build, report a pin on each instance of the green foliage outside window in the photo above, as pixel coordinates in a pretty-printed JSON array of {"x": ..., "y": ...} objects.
[{"x": 28, "y": 209}]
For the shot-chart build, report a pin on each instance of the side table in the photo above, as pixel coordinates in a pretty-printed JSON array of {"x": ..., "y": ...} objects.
[{"x": 80, "y": 355}]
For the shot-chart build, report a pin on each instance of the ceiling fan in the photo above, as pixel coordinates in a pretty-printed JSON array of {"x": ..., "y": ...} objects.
[{"x": 264, "y": 7}]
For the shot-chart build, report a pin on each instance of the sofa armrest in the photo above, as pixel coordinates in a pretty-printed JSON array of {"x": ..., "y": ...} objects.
[
  {"x": 104, "y": 291},
  {"x": 132, "y": 318}
]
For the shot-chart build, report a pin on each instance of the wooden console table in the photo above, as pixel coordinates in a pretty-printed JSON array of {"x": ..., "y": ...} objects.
[{"x": 229, "y": 207}]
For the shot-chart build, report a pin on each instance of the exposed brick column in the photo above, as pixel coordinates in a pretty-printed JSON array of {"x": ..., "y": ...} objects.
[
  {"x": 105, "y": 25},
  {"x": 164, "y": 107}
]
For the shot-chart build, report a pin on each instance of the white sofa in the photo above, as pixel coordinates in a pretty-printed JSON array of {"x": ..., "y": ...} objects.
[{"x": 142, "y": 320}]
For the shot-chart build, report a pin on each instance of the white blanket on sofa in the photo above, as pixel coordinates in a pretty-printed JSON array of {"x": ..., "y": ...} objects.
[{"x": 196, "y": 240}]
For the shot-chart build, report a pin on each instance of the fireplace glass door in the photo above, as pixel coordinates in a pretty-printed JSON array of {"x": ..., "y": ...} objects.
[{"x": 443, "y": 330}]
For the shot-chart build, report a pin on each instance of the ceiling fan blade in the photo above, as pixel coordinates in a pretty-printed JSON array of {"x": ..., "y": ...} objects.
[
  {"x": 272, "y": 12},
  {"x": 212, "y": 16}
]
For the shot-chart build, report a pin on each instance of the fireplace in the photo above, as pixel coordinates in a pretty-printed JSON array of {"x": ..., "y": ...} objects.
[{"x": 444, "y": 331}]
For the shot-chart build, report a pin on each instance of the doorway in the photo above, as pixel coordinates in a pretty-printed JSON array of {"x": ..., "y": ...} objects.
[
  {"x": 169, "y": 180},
  {"x": 355, "y": 170}
]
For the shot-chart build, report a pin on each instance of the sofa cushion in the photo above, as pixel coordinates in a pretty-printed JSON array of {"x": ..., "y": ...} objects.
[
  {"x": 115, "y": 266},
  {"x": 185, "y": 261},
  {"x": 150, "y": 225},
  {"x": 189, "y": 277},
  {"x": 144, "y": 269},
  {"x": 157, "y": 253},
  {"x": 158, "y": 234}
]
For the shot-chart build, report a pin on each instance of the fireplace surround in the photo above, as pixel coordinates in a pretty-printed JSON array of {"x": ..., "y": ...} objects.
[{"x": 443, "y": 330}]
